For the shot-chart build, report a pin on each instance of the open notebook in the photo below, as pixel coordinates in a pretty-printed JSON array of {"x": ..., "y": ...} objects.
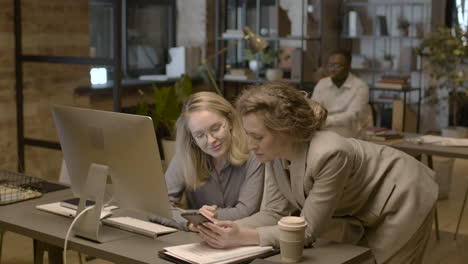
[{"x": 201, "y": 253}]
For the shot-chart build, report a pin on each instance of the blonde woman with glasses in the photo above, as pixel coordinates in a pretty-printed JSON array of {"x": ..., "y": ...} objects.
[
  {"x": 212, "y": 164},
  {"x": 385, "y": 196}
]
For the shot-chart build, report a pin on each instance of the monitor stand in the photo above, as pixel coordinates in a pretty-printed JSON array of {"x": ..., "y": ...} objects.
[{"x": 89, "y": 225}]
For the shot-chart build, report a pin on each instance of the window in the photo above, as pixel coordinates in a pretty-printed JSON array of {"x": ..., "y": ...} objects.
[{"x": 148, "y": 31}]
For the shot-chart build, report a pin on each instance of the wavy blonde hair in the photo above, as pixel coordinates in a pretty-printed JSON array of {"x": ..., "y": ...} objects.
[
  {"x": 283, "y": 109},
  {"x": 194, "y": 160}
]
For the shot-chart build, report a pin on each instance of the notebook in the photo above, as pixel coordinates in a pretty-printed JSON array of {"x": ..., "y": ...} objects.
[{"x": 201, "y": 253}]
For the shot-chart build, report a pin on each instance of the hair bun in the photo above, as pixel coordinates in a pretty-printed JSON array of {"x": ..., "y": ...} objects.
[{"x": 319, "y": 113}]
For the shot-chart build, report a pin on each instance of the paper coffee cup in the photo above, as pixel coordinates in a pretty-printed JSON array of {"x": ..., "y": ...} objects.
[{"x": 291, "y": 238}]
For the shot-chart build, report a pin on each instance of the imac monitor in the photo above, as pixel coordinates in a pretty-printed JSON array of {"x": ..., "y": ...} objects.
[{"x": 123, "y": 142}]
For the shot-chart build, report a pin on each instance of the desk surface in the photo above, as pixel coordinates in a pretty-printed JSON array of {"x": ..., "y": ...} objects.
[
  {"x": 24, "y": 219},
  {"x": 429, "y": 149}
]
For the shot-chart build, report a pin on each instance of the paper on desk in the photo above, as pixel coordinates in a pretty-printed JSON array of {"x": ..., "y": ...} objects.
[
  {"x": 56, "y": 208},
  {"x": 440, "y": 141},
  {"x": 204, "y": 254}
]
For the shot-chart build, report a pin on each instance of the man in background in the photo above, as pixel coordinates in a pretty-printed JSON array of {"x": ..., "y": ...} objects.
[{"x": 345, "y": 96}]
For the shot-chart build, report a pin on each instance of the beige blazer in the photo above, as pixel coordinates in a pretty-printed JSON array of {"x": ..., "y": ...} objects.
[{"x": 384, "y": 193}]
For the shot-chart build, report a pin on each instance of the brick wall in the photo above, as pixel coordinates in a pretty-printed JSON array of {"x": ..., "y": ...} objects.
[
  {"x": 56, "y": 28},
  {"x": 7, "y": 95}
]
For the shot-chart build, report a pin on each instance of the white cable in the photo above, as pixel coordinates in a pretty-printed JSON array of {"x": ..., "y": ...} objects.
[{"x": 64, "y": 257}]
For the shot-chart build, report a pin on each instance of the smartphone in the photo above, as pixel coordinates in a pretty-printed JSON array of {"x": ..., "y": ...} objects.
[{"x": 195, "y": 218}]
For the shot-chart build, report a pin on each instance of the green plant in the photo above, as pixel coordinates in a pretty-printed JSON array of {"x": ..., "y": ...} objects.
[
  {"x": 403, "y": 23},
  {"x": 447, "y": 53},
  {"x": 266, "y": 56},
  {"x": 167, "y": 104}
]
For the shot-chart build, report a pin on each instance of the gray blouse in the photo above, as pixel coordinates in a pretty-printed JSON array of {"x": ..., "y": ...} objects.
[{"x": 237, "y": 190}]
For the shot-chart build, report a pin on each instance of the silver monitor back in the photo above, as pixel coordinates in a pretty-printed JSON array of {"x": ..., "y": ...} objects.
[{"x": 126, "y": 143}]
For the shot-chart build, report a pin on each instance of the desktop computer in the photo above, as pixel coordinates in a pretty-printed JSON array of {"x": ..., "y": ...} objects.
[{"x": 120, "y": 147}]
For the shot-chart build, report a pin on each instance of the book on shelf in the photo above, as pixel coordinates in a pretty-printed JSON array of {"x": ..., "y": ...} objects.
[
  {"x": 233, "y": 33},
  {"x": 396, "y": 77},
  {"x": 237, "y": 77},
  {"x": 397, "y": 81},
  {"x": 240, "y": 71},
  {"x": 201, "y": 253},
  {"x": 391, "y": 86}
]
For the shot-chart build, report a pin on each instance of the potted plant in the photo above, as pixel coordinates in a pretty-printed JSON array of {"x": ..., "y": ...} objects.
[
  {"x": 264, "y": 58},
  {"x": 165, "y": 109},
  {"x": 403, "y": 26},
  {"x": 446, "y": 51},
  {"x": 388, "y": 61}
]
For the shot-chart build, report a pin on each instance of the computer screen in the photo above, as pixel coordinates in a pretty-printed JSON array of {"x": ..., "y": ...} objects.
[{"x": 123, "y": 142}]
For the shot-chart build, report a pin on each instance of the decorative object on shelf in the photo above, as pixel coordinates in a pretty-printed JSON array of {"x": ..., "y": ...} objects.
[
  {"x": 382, "y": 29},
  {"x": 352, "y": 24},
  {"x": 260, "y": 59},
  {"x": 447, "y": 53},
  {"x": 256, "y": 43},
  {"x": 167, "y": 105},
  {"x": 274, "y": 74},
  {"x": 359, "y": 61},
  {"x": 403, "y": 26},
  {"x": 388, "y": 61}
]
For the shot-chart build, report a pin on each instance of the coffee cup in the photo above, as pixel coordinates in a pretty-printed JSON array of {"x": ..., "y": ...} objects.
[{"x": 291, "y": 238}]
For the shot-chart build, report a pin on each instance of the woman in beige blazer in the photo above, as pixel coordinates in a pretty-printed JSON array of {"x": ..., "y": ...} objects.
[{"x": 386, "y": 196}]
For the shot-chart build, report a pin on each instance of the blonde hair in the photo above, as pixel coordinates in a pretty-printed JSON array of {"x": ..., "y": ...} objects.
[
  {"x": 283, "y": 109},
  {"x": 193, "y": 160}
]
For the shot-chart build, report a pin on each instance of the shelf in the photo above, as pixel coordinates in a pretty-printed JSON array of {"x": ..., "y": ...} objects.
[
  {"x": 379, "y": 70},
  {"x": 378, "y": 37},
  {"x": 68, "y": 60},
  {"x": 262, "y": 80},
  {"x": 273, "y": 38},
  {"x": 394, "y": 90},
  {"x": 382, "y": 4}
]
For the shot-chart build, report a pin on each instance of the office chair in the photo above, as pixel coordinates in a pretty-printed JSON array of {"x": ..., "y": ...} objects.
[{"x": 461, "y": 211}]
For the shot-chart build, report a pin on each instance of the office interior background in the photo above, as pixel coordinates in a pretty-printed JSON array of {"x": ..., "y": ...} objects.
[{"x": 52, "y": 33}]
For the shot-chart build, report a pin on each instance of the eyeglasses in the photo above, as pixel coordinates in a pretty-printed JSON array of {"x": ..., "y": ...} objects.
[
  {"x": 335, "y": 66},
  {"x": 216, "y": 131}
]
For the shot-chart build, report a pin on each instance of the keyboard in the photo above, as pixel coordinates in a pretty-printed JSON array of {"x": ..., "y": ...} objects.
[{"x": 138, "y": 226}]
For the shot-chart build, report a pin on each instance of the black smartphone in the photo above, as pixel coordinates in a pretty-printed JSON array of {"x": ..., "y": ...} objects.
[{"x": 195, "y": 218}]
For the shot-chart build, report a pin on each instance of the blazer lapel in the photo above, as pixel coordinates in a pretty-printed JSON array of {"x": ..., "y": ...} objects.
[
  {"x": 297, "y": 171},
  {"x": 283, "y": 182}
]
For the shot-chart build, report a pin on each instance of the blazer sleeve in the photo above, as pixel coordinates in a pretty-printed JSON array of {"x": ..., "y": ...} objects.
[
  {"x": 265, "y": 221},
  {"x": 250, "y": 194},
  {"x": 330, "y": 174}
]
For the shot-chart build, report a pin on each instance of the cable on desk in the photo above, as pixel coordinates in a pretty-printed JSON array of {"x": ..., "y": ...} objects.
[{"x": 64, "y": 255}]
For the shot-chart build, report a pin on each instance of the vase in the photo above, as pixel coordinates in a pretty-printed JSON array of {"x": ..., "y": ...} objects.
[
  {"x": 404, "y": 32},
  {"x": 255, "y": 66},
  {"x": 387, "y": 64}
]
